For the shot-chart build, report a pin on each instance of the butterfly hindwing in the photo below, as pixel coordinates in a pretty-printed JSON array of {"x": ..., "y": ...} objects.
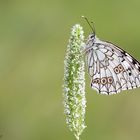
[
  {"x": 111, "y": 69},
  {"x": 131, "y": 67}
]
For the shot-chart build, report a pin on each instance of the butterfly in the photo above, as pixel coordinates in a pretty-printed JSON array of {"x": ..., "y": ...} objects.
[{"x": 110, "y": 68}]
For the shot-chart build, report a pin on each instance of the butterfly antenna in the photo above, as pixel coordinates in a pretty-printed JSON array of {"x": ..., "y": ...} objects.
[{"x": 92, "y": 27}]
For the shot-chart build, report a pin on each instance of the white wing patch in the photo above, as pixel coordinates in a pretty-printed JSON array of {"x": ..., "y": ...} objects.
[{"x": 111, "y": 69}]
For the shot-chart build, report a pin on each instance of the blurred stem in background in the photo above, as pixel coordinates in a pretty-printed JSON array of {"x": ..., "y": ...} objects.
[{"x": 74, "y": 83}]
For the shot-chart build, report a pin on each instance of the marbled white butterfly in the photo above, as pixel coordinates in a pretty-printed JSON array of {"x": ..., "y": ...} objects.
[{"x": 111, "y": 69}]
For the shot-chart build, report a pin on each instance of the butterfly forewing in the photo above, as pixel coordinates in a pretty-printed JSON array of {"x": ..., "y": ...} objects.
[{"x": 111, "y": 69}]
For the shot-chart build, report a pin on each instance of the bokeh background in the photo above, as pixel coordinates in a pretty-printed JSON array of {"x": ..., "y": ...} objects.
[{"x": 33, "y": 40}]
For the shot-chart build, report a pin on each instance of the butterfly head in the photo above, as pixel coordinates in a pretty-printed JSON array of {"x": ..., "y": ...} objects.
[
  {"x": 91, "y": 37},
  {"x": 90, "y": 42}
]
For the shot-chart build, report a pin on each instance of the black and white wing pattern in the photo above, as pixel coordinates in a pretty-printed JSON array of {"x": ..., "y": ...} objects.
[{"x": 111, "y": 69}]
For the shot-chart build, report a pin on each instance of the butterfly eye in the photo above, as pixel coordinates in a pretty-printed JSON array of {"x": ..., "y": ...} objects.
[{"x": 92, "y": 36}]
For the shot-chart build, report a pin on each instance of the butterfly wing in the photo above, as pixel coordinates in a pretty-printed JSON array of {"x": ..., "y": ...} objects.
[{"x": 112, "y": 69}]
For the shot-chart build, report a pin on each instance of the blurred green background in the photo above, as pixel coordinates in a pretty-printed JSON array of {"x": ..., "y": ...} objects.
[{"x": 33, "y": 40}]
